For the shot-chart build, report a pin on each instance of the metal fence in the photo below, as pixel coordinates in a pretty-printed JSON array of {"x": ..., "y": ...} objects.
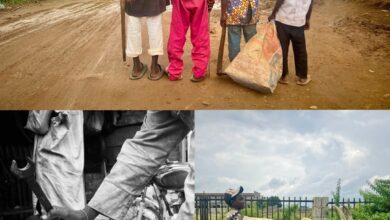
[
  {"x": 347, "y": 202},
  {"x": 211, "y": 206}
]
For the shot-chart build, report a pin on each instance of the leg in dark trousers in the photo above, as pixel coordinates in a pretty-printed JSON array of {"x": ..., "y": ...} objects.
[
  {"x": 300, "y": 53},
  {"x": 284, "y": 38}
]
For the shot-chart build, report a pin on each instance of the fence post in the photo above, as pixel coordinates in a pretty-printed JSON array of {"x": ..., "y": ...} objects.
[
  {"x": 320, "y": 205},
  {"x": 204, "y": 209}
]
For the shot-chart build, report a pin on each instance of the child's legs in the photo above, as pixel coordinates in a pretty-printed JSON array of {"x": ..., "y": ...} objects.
[
  {"x": 234, "y": 39},
  {"x": 155, "y": 33},
  {"x": 134, "y": 38},
  {"x": 284, "y": 38},
  {"x": 200, "y": 36},
  {"x": 177, "y": 38},
  {"x": 249, "y": 31},
  {"x": 300, "y": 53}
]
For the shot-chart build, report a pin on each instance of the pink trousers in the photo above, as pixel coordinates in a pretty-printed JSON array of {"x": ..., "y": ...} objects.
[{"x": 185, "y": 14}]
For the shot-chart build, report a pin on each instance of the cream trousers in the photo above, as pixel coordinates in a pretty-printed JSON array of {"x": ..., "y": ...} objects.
[{"x": 134, "y": 36}]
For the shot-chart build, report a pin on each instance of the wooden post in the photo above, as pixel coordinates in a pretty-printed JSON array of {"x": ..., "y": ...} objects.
[
  {"x": 123, "y": 28},
  {"x": 320, "y": 205}
]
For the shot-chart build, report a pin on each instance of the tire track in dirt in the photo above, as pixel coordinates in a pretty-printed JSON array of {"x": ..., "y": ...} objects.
[
  {"x": 57, "y": 43},
  {"x": 89, "y": 39},
  {"x": 43, "y": 19}
]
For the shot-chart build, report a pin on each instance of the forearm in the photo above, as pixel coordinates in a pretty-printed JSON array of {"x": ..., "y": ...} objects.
[
  {"x": 278, "y": 4},
  {"x": 308, "y": 15},
  {"x": 87, "y": 213},
  {"x": 90, "y": 213}
]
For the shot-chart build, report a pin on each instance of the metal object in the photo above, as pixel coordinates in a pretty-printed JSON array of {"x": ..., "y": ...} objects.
[
  {"x": 123, "y": 28},
  {"x": 220, "y": 71},
  {"x": 164, "y": 195},
  {"x": 28, "y": 173}
]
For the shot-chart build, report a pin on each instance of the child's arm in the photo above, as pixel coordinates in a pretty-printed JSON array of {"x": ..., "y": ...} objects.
[
  {"x": 278, "y": 4},
  {"x": 308, "y": 15}
]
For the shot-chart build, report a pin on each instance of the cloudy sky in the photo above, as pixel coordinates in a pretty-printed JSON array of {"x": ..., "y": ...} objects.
[{"x": 291, "y": 153}]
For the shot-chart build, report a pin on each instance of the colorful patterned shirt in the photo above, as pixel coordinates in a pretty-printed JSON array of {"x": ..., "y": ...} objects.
[{"x": 242, "y": 12}]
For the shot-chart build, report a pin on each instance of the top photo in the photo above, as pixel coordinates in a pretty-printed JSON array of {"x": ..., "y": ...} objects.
[{"x": 194, "y": 54}]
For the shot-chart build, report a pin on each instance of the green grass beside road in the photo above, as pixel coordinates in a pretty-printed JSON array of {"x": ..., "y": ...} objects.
[{"x": 16, "y": 2}]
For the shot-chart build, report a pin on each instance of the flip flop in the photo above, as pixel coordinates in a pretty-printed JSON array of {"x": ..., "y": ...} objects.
[
  {"x": 143, "y": 71},
  {"x": 159, "y": 75},
  {"x": 200, "y": 79},
  {"x": 283, "y": 81},
  {"x": 303, "y": 82},
  {"x": 177, "y": 79}
]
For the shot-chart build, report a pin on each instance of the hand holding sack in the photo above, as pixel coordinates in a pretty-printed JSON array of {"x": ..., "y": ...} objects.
[{"x": 210, "y": 4}]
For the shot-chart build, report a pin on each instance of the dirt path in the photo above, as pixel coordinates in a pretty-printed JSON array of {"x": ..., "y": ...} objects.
[{"x": 67, "y": 54}]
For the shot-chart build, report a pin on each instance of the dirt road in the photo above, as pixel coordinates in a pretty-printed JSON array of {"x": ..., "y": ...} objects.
[{"x": 67, "y": 54}]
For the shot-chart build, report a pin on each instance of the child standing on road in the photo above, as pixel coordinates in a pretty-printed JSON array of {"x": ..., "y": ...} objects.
[
  {"x": 152, "y": 10},
  {"x": 292, "y": 19},
  {"x": 240, "y": 16},
  {"x": 185, "y": 14}
]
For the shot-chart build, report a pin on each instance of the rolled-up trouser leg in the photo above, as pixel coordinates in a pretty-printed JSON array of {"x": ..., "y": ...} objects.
[
  {"x": 155, "y": 33},
  {"x": 134, "y": 38},
  {"x": 138, "y": 160}
]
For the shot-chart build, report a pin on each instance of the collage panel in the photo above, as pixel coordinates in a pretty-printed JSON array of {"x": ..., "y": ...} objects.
[
  {"x": 170, "y": 54},
  {"x": 288, "y": 165},
  {"x": 194, "y": 109},
  {"x": 97, "y": 164}
]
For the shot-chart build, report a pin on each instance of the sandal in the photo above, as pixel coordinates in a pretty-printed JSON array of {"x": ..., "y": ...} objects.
[
  {"x": 303, "y": 82},
  {"x": 173, "y": 79},
  {"x": 159, "y": 75},
  {"x": 283, "y": 80},
  {"x": 143, "y": 71},
  {"x": 200, "y": 79}
]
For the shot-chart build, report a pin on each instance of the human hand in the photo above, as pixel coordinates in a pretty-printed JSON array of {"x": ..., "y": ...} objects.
[
  {"x": 210, "y": 4},
  {"x": 307, "y": 25},
  {"x": 271, "y": 17},
  {"x": 59, "y": 118}
]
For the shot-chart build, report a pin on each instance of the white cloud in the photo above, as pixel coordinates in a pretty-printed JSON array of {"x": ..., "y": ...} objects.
[
  {"x": 230, "y": 181},
  {"x": 372, "y": 180}
]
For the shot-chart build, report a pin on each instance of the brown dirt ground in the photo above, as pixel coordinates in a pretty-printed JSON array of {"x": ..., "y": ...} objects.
[{"x": 67, "y": 54}]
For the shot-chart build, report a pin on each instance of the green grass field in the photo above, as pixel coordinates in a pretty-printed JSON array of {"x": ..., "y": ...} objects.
[{"x": 16, "y": 2}]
